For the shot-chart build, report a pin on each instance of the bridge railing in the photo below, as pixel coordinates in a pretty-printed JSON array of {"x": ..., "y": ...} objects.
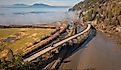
[{"x": 83, "y": 35}]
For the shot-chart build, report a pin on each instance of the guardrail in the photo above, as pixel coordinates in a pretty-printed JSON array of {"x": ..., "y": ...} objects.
[{"x": 84, "y": 34}]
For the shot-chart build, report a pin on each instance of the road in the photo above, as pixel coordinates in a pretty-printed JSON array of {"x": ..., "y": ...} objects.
[{"x": 101, "y": 53}]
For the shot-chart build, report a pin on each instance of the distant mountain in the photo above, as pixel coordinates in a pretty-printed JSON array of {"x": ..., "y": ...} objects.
[
  {"x": 36, "y": 5},
  {"x": 20, "y": 5},
  {"x": 15, "y": 6},
  {"x": 40, "y": 5}
]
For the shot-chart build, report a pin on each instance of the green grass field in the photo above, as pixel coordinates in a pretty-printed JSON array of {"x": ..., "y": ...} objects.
[{"x": 27, "y": 36}]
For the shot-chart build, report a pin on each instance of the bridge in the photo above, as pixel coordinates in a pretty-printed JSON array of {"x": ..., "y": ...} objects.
[{"x": 83, "y": 35}]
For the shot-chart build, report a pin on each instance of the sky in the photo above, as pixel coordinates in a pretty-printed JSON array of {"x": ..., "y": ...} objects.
[{"x": 49, "y": 2}]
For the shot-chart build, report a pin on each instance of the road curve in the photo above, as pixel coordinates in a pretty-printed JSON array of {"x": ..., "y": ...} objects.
[{"x": 99, "y": 54}]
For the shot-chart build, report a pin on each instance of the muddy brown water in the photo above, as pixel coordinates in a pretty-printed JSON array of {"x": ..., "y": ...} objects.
[{"x": 101, "y": 53}]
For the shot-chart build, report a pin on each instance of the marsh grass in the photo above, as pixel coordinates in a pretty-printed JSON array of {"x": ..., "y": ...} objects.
[{"x": 27, "y": 37}]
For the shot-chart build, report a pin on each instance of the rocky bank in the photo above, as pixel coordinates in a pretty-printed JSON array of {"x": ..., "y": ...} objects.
[{"x": 104, "y": 14}]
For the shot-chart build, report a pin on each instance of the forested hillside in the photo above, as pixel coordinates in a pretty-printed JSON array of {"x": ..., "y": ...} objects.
[{"x": 104, "y": 14}]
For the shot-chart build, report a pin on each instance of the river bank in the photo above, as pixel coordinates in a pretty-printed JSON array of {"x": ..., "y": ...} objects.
[
  {"x": 105, "y": 16},
  {"x": 101, "y": 53},
  {"x": 111, "y": 31}
]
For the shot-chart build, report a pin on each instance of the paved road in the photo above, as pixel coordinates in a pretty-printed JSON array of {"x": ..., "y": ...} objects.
[{"x": 99, "y": 54}]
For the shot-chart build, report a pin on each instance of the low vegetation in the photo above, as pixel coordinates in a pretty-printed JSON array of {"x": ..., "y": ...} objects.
[
  {"x": 16, "y": 43},
  {"x": 4, "y": 33},
  {"x": 14, "y": 62},
  {"x": 13, "y": 42},
  {"x": 18, "y": 38}
]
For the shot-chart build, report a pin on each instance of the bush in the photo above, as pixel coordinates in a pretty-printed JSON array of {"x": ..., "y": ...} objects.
[{"x": 11, "y": 62}]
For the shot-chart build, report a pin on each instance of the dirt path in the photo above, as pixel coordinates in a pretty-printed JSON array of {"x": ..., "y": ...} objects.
[{"x": 99, "y": 54}]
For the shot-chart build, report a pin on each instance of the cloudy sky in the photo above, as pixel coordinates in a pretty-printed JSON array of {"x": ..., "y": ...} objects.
[{"x": 50, "y": 2}]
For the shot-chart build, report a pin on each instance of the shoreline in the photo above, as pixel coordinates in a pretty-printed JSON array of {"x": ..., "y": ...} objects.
[
  {"x": 29, "y": 26},
  {"x": 111, "y": 31},
  {"x": 105, "y": 15},
  {"x": 58, "y": 27}
]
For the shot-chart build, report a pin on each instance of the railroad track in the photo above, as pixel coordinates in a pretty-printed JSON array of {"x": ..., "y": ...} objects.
[
  {"x": 83, "y": 34},
  {"x": 63, "y": 54},
  {"x": 53, "y": 65}
]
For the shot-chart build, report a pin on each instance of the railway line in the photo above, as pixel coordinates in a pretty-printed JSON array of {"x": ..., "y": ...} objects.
[{"x": 60, "y": 48}]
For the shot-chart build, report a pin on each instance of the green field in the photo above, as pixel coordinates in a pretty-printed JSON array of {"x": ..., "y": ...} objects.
[{"x": 26, "y": 36}]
